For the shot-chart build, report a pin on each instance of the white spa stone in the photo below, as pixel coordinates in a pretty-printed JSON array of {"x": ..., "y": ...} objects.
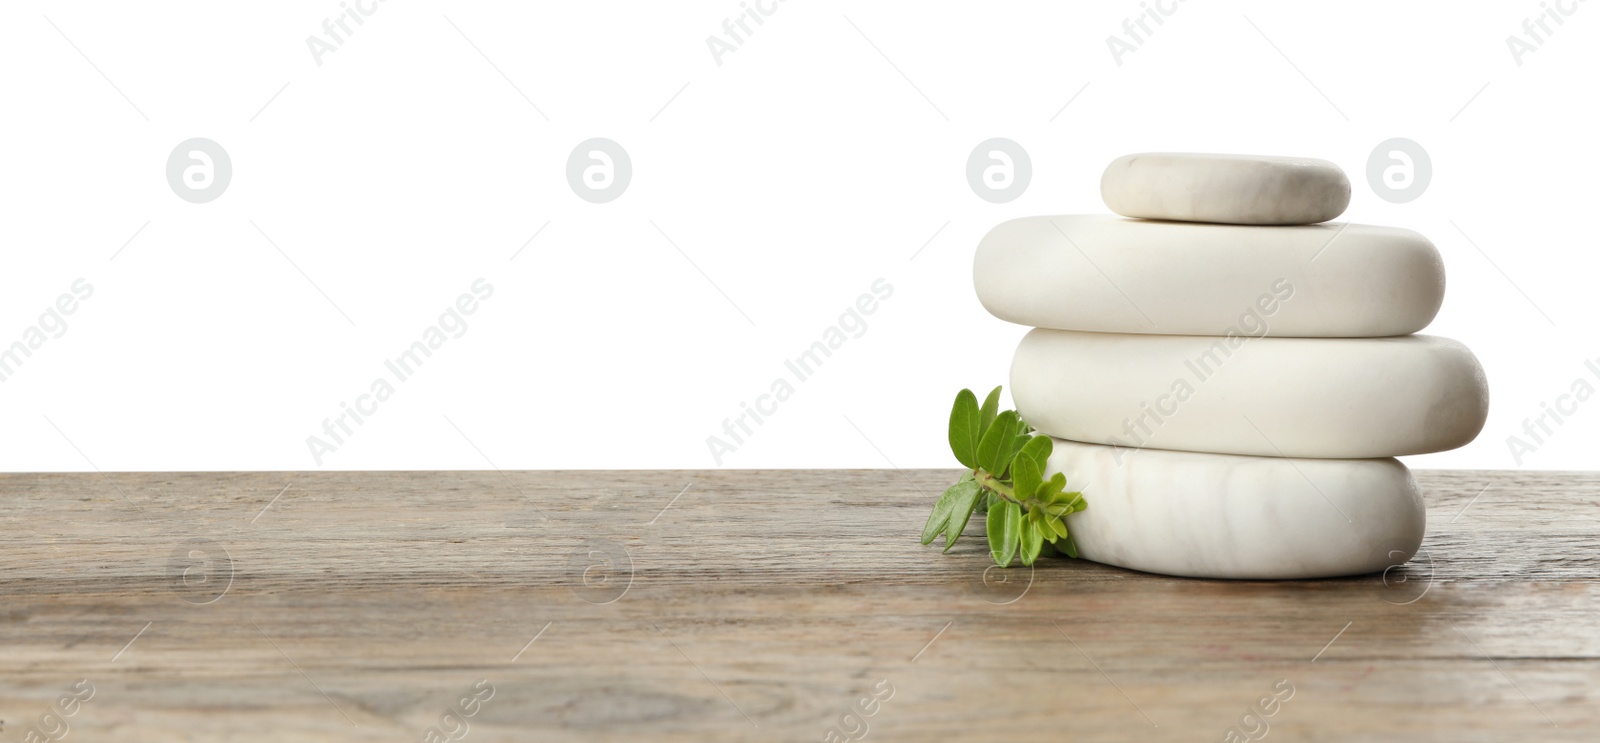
[
  {"x": 1226, "y": 189},
  {"x": 1285, "y": 397},
  {"x": 1110, "y": 274},
  {"x": 1219, "y": 516}
]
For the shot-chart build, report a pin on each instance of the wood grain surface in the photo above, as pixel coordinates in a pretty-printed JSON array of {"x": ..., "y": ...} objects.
[{"x": 751, "y": 605}]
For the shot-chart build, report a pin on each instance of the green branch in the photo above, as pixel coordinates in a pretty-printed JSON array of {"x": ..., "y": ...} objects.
[{"x": 1030, "y": 510}]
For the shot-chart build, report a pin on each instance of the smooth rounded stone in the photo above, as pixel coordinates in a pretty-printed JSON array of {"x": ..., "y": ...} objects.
[
  {"x": 1221, "y": 516},
  {"x": 1285, "y": 397},
  {"x": 1114, "y": 275},
  {"x": 1226, "y": 189}
]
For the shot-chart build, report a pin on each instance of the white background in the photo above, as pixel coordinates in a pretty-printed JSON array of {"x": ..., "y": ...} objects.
[{"x": 789, "y": 177}]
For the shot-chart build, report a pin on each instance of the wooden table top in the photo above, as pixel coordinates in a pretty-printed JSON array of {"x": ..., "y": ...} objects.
[{"x": 750, "y": 605}]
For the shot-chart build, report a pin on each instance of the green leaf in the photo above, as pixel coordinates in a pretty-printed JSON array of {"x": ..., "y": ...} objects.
[
  {"x": 967, "y": 492},
  {"x": 1001, "y": 448},
  {"x": 1060, "y": 496},
  {"x": 994, "y": 446},
  {"x": 964, "y": 428},
  {"x": 991, "y": 406},
  {"x": 1019, "y": 439},
  {"x": 1016, "y": 448},
  {"x": 1038, "y": 449},
  {"x": 1005, "y": 532},
  {"x": 1025, "y": 476},
  {"x": 941, "y": 514},
  {"x": 1032, "y": 537},
  {"x": 1065, "y": 503},
  {"x": 994, "y": 527},
  {"x": 1058, "y": 528},
  {"x": 1050, "y": 490},
  {"x": 1013, "y": 530}
]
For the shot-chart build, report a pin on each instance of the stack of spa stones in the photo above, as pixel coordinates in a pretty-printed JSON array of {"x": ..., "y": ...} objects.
[{"x": 1227, "y": 376}]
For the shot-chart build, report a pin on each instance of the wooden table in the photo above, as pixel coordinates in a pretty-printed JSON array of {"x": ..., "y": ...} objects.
[{"x": 744, "y": 605}]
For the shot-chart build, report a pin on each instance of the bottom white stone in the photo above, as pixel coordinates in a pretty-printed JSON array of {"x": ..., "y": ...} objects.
[{"x": 1231, "y": 516}]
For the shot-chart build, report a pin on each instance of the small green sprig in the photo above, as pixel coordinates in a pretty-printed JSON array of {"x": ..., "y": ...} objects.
[{"x": 1026, "y": 513}]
